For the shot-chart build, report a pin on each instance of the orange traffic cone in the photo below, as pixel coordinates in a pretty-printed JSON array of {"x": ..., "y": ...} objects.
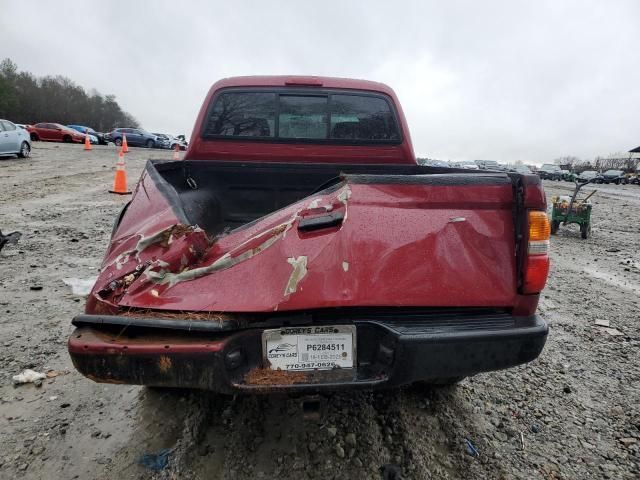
[
  {"x": 176, "y": 153},
  {"x": 87, "y": 142},
  {"x": 120, "y": 182},
  {"x": 125, "y": 147}
]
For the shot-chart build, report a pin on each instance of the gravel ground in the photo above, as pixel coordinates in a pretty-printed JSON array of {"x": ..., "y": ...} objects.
[{"x": 573, "y": 413}]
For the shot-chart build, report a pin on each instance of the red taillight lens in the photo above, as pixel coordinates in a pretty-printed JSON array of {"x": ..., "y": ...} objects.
[
  {"x": 535, "y": 276},
  {"x": 537, "y": 261}
]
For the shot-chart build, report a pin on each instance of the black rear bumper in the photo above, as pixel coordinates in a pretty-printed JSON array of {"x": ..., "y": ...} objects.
[{"x": 389, "y": 353}]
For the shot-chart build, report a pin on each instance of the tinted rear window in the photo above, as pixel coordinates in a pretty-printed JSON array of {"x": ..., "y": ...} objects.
[
  {"x": 243, "y": 115},
  {"x": 323, "y": 117},
  {"x": 362, "y": 118},
  {"x": 302, "y": 117}
]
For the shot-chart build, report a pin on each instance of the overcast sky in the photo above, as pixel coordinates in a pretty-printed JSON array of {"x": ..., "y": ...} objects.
[{"x": 504, "y": 80}]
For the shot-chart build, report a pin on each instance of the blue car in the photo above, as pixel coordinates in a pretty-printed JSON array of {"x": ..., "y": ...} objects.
[
  {"x": 95, "y": 137},
  {"x": 136, "y": 137}
]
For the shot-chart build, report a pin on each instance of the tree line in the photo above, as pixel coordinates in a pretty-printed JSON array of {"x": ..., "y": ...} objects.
[
  {"x": 627, "y": 162},
  {"x": 25, "y": 98}
]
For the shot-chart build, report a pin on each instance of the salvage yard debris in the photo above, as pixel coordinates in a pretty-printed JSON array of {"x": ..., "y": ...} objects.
[
  {"x": 614, "y": 332},
  {"x": 80, "y": 286},
  {"x": 29, "y": 376},
  {"x": 10, "y": 238},
  {"x": 156, "y": 461},
  {"x": 471, "y": 448}
]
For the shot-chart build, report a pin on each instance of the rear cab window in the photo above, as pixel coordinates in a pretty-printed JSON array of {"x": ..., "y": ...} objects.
[{"x": 312, "y": 116}]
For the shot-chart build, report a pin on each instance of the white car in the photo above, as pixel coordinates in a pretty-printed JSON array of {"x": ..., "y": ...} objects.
[
  {"x": 170, "y": 142},
  {"x": 468, "y": 165},
  {"x": 14, "y": 140}
]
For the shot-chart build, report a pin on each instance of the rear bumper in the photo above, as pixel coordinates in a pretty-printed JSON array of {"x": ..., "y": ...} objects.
[{"x": 390, "y": 353}]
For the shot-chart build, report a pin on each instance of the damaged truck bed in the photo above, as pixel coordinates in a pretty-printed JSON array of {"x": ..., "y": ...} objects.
[{"x": 260, "y": 275}]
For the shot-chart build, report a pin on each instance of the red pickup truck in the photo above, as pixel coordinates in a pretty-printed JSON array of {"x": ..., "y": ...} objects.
[{"x": 299, "y": 247}]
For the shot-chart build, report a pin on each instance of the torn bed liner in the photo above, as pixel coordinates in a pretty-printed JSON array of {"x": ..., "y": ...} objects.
[{"x": 222, "y": 237}]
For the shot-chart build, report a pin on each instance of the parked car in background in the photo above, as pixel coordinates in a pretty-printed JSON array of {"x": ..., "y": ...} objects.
[
  {"x": 613, "y": 176},
  {"x": 98, "y": 135},
  {"x": 549, "y": 171},
  {"x": 169, "y": 141},
  {"x": 523, "y": 169},
  {"x": 587, "y": 176},
  {"x": 468, "y": 165},
  {"x": 14, "y": 140},
  {"x": 54, "y": 132},
  {"x": 489, "y": 165},
  {"x": 163, "y": 140},
  {"x": 136, "y": 137},
  {"x": 436, "y": 163},
  {"x": 182, "y": 141}
]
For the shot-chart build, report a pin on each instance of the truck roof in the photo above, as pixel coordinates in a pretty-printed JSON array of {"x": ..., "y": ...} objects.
[{"x": 303, "y": 81}]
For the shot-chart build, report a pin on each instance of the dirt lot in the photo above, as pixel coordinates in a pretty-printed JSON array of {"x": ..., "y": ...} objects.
[{"x": 574, "y": 413}]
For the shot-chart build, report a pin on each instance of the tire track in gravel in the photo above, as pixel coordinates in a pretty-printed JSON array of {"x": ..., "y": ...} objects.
[{"x": 420, "y": 430}]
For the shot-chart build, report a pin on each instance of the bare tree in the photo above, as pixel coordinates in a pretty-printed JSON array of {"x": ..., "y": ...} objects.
[
  {"x": 25, "y": 98},
  {"x": 567, "y": 160}
]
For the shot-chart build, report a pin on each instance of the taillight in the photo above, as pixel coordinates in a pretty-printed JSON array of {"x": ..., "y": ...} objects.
[{"x": 537, "y": 260}]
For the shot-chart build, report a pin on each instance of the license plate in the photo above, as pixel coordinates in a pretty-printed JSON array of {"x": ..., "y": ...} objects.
[{"x": 310, "y": 348}]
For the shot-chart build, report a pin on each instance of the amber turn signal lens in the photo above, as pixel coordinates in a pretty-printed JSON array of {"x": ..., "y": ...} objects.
[
  {"x": 539, "y": 227},
  {"x": 537, "y": 261}
]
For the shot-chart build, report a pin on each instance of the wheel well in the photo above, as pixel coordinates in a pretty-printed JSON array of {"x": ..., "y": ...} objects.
[{"x": 34, "y": 136}]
